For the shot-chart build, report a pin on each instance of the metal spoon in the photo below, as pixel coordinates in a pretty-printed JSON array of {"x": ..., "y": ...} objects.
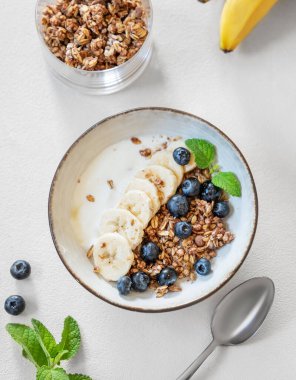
[{"x": 237, "y": 317}]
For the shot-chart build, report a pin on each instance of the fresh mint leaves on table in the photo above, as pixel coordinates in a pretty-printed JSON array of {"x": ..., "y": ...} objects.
[
  {"x": 205, "y": 153},
  {"x": 40, "y": 347}
]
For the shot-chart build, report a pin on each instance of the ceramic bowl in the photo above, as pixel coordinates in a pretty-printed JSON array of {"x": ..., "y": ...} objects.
[{"x": 242, "y": 222}]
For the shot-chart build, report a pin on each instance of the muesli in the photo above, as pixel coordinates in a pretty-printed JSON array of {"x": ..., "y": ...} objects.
[{"x": 170, "y": 221}]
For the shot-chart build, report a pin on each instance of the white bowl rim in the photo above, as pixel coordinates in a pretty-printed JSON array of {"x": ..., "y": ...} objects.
[{"x": 100, "y": 124}]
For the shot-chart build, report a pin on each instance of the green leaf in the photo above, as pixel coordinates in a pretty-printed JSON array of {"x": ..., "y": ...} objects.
[
  {"x": 204, "y": 152},
  {"x": 59, "y": 357},
  {"x": 70, "y": 338},
  {"x": 47, "y": 373},
  {"x": 26, "y": 337},
  {"x": 77, "y": 376},
  {"x": 45, "y": 338},
  {"x": 229, "y": 182}
]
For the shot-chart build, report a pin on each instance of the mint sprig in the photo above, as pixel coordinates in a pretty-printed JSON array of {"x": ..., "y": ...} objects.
[
  {"x": 204, "y": 152},
  {"x": 229, "y": 182},
  {"x": 39, "y": 346}
]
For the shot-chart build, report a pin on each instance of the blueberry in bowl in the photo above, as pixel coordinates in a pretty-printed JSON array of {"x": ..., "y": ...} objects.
[
  {"x": 124, "y": 285},
  {"x": 202, "y": 267},
  {"x": 191, "y": 187},
  {"x": 182, "y": 156},
  {"x": 183, "y": 230},
  {"x": 140, "y": 281},
  {"x": 221, "y": 209},
  {"x": 209, "y": 192},
  {"x": 178, "y": 205},
  {"x": 167, "y": 276},
  {"x": 150, "y": 252}
]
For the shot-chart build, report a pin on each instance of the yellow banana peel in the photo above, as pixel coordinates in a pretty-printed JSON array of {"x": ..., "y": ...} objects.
[{"x": 239, "y": 18}]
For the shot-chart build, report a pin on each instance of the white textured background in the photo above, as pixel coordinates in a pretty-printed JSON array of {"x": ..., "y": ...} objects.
[{"x": 250, "y": 94}]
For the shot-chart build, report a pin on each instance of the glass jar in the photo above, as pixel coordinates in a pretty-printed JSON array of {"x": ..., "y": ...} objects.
[{"x": 99, "y": 82}]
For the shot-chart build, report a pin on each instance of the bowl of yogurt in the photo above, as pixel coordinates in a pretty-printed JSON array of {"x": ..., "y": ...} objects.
[{"x": 100, "y": 215}]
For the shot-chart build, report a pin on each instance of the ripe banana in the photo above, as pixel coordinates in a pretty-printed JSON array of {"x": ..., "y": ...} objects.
[
  {"x": 239, "y": 17},
  {"x": 177, "y": 144},
  {"x": 124, "y": 223},
  {"x": 148, "y": 188},
  {"x": 164, "y": 180},
  {"x": 165, "y": 158},
  {"x": 113, "y": 256},
  {"x": 139, "y": 204}
]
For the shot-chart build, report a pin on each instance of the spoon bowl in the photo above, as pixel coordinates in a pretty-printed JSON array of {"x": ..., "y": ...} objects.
[{"x": 241, "y": 312}]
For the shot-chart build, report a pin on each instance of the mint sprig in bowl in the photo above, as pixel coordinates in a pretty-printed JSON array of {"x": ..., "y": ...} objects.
[{"x": 216, "y": 152}]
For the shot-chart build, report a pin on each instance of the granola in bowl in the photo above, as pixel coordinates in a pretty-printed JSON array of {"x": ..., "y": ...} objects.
[{"x": 168, "y": 222}]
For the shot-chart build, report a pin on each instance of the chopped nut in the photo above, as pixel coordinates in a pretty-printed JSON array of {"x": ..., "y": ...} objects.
[
  {"x": 110, "y": 183},
  {"x": 136, "y": 141},
  {"x": 145, "y": 152},
  {"x": 90, "y": 198}
]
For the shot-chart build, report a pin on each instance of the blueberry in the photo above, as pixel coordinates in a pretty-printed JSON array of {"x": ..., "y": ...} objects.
[
  {"x": 20, "y": 269},
  {"x": 202, "y": 267},
  {"x": 150, "y": 252},
  {"x": 221, "y": 209},
  {"x": 167, "y": 276},
  {"x": 178, "y": 205},
  {"x": 181, "y": 156},
  {"x": 124, "y": 285},
  {"x": 209, "y": 192},
  {"x": 191, "y": 187},
  {"x": 140, "y": 281},
  {"x": 14, "y": 305},
  {"x": 183, "y": 230}
]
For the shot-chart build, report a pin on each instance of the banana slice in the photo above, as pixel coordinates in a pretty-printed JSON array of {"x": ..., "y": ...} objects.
[
  {"x": 165, "y": 158},
  {"x": 148, "y": 188},
  {"x": 139, "y": 204},
  {"x": 113, "y": 256},
  {"x": 124, "y": 223},
  {"x": 180, "y": 143},
  {"x": 164, "y": 180}
]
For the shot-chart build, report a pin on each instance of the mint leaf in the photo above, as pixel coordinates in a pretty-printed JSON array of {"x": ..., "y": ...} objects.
[
  {"x": 77, "y": 376},
  {"x": 204, "y": 152},
  {"x": 47, "y": 373},
  {"x": 59, "y": 357},
  {"x": 229, "y": 182},
  {"x": 45, "y": 338},
  {"x": 70, "y": 338},
  {"x": 26, "y": 337}
]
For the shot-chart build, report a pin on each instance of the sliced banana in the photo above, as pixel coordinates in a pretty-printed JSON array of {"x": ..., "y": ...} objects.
[
  {"x": 165, "y": 158},
  {"x": 164, "y": 180},
  {"x": 123, "y": 222},
  {"x": 180, "y": 143},
  {"x": 149, "y": 188},
  {"x": 139, "y": 204},
  {"x": 113, "y": 256}
]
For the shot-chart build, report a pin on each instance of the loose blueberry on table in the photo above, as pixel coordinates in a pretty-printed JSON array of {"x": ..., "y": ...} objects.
[
  {"x": 20, "y": 269},
  {"x": 14, "y": 305}
]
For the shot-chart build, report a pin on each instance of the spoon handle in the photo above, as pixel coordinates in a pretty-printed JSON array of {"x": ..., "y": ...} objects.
[{"x": 188, "y": 373}]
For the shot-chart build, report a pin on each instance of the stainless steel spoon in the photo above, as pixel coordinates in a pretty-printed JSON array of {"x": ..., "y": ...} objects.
[{"x": 237, "y": 317}]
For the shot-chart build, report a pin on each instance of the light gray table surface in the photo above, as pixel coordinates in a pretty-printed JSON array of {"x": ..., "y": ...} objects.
[{"x": 250, "y": 94}]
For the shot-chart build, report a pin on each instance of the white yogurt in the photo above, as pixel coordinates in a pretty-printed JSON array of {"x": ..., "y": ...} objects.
[{"x": 119, "y": 163}]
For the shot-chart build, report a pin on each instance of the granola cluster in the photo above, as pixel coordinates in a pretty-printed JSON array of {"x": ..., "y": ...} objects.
[
  {"x": 94, "y": 34},
  {"x": 209, "y": 234}
]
